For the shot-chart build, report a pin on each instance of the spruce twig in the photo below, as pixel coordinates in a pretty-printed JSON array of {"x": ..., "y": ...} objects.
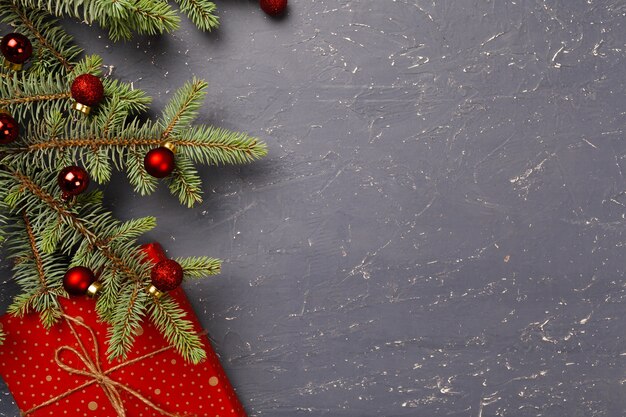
[
  {"x": 125, "y": 18},
  {"x": 201, "y": 12},
  {"x": 39, "y": 294},
  {"x": 30, "y": 25},
  {"x": 53, "y": 48},
  {"x": 127, "y": 311},
  {"x": 47, "y": 234},
  {"x": 116, "y": 141}
]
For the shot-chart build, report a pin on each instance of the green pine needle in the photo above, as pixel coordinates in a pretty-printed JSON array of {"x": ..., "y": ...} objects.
[
  {"x": 123, "y": 18},
  {"x": 201, "y": 12},
  {"x": 126, "y": 320},
  {"x": 170, "y": 320},
  {"x": 47, "y": 234},
  {"x": 199, "y": 267}
]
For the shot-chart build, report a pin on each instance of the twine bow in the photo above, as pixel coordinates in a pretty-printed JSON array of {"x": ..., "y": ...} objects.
[{"x": 93, "y": 370}]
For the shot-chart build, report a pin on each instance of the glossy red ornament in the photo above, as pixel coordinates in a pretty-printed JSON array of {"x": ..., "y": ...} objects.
[
  {"x": 76, "y": 280},
  {"x": 154, "y": 252},
  {"x": 9, "y": 129},
  {"x": 167, "y": 275},
  {"x": 88, "y": 91},
  {"x": 159, "y": 162},
  {"x": 273, "y": 7},
  {"x": 16, "y": 48},
  {"x": 73, "y": 180}
]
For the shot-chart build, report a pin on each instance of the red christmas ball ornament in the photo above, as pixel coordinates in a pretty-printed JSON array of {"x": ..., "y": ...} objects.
[
  {"x": 159, "y": 162},
  {"x": 16, "y": 49},
  {"x": 88, "y": 91},
  {"x": 9, "y": 129},
  {"x": 73, "y": 180},
  {"x": 273, "y": 7},
  {"x": 154, "y": 252},
  {"x": 167, "y": 275},
  {"x": 77, "y": 280}
]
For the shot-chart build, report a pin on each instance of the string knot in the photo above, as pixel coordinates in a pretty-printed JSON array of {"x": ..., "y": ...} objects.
[{"x": 91, "y": 368}]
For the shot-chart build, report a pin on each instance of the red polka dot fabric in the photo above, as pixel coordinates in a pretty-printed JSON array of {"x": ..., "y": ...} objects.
[{"x": 29, "y": 368}]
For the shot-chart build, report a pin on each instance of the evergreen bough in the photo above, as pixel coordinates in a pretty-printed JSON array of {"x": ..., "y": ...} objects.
[
  {"x": 123, "y": 18},
  {"x": 46, "y": 235}
]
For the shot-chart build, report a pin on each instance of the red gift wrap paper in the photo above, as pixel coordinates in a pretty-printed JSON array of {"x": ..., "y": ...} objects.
[{"x": 178, "y": 388}]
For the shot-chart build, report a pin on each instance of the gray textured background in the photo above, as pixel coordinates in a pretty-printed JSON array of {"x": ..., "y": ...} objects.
[{"x": 439, "y": 227}]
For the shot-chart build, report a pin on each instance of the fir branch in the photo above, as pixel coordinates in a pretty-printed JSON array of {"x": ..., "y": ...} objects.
[
  {"x": 216, "y": 146},
  {"x": 45, "y": 231},
  {"x": 213, "y": 146},
  {"x": 133, "y": 101},
  {"x": 185, "y": 182},
  {"x": 142, "y": 182},
  {"x": 52, "y": 46},
  {"x": 112, "y": 283},
  {"x": 243, "y": 150},
  {"x": 199, "y": 267},
  {"x": 35, "y": 97},
  {"x": 40, "y": 37},
  {"x": 170, "y": 320},
  {"x": 55, "y": 205},
  {"x": 109, "y": 245},
  {"x": 129, "y": 307},
  {"x": 22, "y": 303},
  {"x": 50, "y": 236},
  {"x": 152, "y": 17},
  {"x": 201, "y": 13},
  {"x": 209, "y": 146},
  {"x": 27, "y": 96},
  {"x": 121, "y": 17},
  {"x": 39, "y": 294},
  {"x": 109, "y": 139},
  {"x": 131, "y": 271},
  {"x": 51, "y": 313},
  {"x": 126, "y": 320},
  {"x": 131, "y": 229},
  {"x": 37, "y": 257},
  {"x": 182, "y": 109},
  {"x": 91, "y": 64}
]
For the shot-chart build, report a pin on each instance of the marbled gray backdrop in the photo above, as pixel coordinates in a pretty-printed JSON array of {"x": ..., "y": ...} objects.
[{"x": 439, "y": 227}]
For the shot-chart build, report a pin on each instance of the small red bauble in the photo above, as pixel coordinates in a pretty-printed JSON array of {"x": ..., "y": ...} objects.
[
  {"x": 76, "y": 280},
  {"x": 9, "y": 129},
  {"x": 73, "y": 180},
  {"x": 16, "y": 48},
  {"x": 167, "y": 275},
  {"x": 88, "y": 91},
  {"x": 154, "y": 252},
  {"x": 159, "y": 162},
  {"x": 274, "y": 7}
]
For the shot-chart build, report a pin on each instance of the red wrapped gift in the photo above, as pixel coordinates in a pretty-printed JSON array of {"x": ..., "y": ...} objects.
[{"x": 64, "y": 370}]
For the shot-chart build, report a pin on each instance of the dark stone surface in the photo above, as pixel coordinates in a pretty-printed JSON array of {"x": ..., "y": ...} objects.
[{"x": 438, "y": 229}]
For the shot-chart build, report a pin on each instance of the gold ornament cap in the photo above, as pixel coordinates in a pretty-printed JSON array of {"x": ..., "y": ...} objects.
[
  {"x": 154, "y": 291},
  {"x": 12, "y": 65},
  {"x": 93, "y": 289},
  {"x": 81, "y": 107},
  {"x": 170, "y": 146}
]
